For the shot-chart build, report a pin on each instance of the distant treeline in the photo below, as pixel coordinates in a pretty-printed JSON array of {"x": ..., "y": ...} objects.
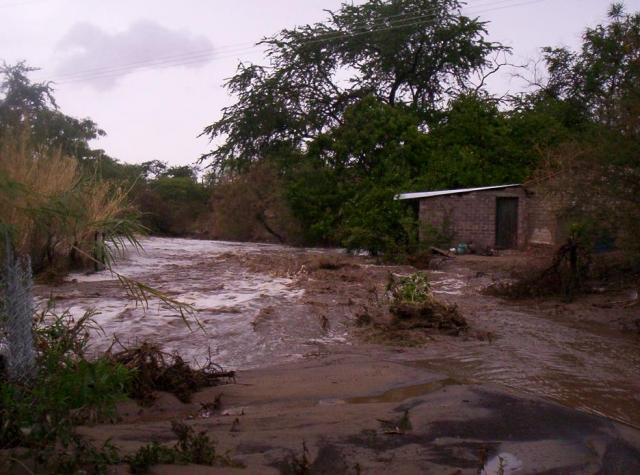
[{"x": 172, "y": 200}]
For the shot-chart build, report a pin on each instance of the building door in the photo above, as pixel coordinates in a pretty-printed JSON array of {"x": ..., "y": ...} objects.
[{"x": 506, "y": 223}]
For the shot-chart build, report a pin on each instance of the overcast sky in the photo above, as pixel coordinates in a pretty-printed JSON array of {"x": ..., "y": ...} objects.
[{"x": 150, "y": 72}]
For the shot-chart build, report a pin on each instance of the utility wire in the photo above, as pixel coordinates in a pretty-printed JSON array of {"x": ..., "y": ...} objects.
[
  {"x": 196, "y": 57},
  {"x": 20, "y": 4},
  {"x": 240, "y": 48}
]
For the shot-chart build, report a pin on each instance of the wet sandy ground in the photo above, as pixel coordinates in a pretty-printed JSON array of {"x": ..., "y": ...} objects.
[
  {"x": 348, "y": 410},
  {"x": 470, "y": 399}
]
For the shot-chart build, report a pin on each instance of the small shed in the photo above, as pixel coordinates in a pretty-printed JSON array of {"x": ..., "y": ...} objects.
[{"x": 500, "y": 217}]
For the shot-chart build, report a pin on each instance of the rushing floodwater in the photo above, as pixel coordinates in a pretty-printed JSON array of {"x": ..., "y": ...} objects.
[
  {"x": 227, "y": 299},
  {"x": 578, "y": 363}
]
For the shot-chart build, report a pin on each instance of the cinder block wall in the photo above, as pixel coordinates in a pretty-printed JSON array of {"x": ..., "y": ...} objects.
[
  {"x": 472, "y": 216},
  {"x": 543, "y": 218}
]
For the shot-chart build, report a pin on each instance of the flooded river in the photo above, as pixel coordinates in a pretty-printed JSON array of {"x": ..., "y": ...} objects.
[
  {"x": 577, "y": 362},
  {"x": 227, "y": 299}
]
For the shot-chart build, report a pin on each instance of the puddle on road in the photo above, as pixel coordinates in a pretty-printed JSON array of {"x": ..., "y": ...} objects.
[
  {"x": 404, "y": 393},
  {"x": 394, "y": 395}
]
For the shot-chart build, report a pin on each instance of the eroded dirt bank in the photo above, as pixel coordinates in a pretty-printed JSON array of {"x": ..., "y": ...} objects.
[{"x": 314, "y": 375}]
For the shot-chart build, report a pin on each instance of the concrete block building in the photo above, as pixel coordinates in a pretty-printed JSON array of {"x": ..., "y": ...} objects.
[{"x": 499, "y": 217}]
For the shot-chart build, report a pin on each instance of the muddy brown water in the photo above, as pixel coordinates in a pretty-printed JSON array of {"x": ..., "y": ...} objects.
[
  {"x": 575, "y": 361},
  {"x": 561, "y": 355}
]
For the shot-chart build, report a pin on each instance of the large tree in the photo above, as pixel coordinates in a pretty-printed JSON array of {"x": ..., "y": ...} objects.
[{"x": 415, "y": 53}]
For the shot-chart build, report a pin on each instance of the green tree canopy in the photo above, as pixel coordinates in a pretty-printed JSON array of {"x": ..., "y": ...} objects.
[
  {"x": 415, "y": 53},
  {"x": 31, "y": 106},
  {"x": 601, "y": 81}
]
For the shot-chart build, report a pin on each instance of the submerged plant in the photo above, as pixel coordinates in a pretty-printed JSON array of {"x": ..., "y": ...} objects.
[
  {"x": 413, "y": 288},
  {"x": 413, "y": 305}
]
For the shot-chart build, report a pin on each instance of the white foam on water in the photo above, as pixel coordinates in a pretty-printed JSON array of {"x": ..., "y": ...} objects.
[
  {"x": 227, "y": 300},
  {"x": 450, "y": 286}
]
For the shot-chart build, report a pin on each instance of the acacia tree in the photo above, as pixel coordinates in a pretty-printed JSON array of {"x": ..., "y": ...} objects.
[{"x": 415, "y": 53}]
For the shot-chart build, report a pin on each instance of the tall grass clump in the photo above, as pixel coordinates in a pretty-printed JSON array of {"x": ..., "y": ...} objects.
[{"x": 57, "y": 214}]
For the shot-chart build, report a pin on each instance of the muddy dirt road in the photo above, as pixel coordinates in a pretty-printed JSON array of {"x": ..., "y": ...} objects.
[{"x": 264, "y": 306}]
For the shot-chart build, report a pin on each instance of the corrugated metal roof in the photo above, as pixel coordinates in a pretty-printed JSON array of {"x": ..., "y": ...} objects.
[{"x": 431, "y": 194}]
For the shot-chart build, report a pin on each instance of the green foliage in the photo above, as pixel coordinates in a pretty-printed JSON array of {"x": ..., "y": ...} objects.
[
  {"x": 68, "y": 388},
  {"x": 595, "y": 169},
  {"x": 51, "y": 196},
  {"x": 419, "y": 59},
  {"x": 410, "y": 289},
  {"x": 344, "y": 187},
  {"x": 40, "y": 415},
  {"x": 78, "y": 457},
  {"x": 171, "y": 200},
  {"x": 475, "y": 144},
  {"x": 149, "y": 455},
  {"x": 32, "y": 105},
  {"x": 86, "y": 387},
  {"x": 173, "y": 205},
  {"x": 346, "y": 149},
  {"x": 604, "y": 74}
]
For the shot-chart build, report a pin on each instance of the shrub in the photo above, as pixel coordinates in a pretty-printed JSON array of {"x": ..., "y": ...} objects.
[{"x": 67, "y": 388}]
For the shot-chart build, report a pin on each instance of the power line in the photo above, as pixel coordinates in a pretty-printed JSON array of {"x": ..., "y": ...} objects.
[
  {"x": 20, "y": 4},
  {"x": 148, "y": 68},
  {"x": 196, "y": 57},
  {"x": 205, "y": 54}
]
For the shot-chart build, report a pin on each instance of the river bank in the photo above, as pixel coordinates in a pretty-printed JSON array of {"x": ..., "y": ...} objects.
[{"x": 539, "y": 382}]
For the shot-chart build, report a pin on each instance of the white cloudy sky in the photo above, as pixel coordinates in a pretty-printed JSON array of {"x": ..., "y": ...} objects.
[{"x": 95, "y": 50}]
